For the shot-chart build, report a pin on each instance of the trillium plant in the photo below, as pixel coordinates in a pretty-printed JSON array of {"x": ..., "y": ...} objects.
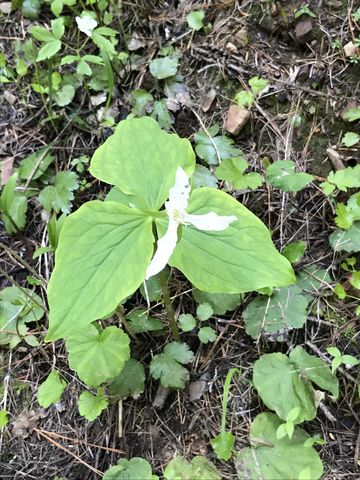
[{"x": 150, "y": 218}]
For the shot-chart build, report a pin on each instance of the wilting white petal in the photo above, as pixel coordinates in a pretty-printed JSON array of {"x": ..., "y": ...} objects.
[
  {"x": 86, "y": 24},
  {"x": 210, "y": 221},
  {"x": 179, "y": 193},
  {"x": 165, "y": 247}
]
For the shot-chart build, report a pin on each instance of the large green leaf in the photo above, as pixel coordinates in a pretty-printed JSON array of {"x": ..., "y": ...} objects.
[
  {"x": 99, "y": 247},
  {"x": 98, "y": 356},
  {"x": 141, "y": 159},
  {"x": 135, "y": 468},
  {"x": 271, "y": 458},
  {"x": 281, "y": 387},
  {"x": 130, "y": 381},
  {"x": 346, "y": 240},
  {"x": 239, "y": 259},
  {"x": 200, "y": 468}
]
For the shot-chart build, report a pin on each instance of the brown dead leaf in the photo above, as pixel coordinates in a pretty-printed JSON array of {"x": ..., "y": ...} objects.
[
  {"x": 27, "y": 421},
  {"x": 6, "y": 169},
  {"x": 208, "y": 100},
  {"x": 236, "y": 119}
]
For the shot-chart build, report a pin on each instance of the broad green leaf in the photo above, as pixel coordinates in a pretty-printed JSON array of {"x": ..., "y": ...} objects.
[
  {"x": 232, "y": 170},
  {"x": 91, "y": 406},
  {"x": 35, "y": 164},
  {"x": 187, "y": 322},
  {"x": 313, "y": 279},
  {"x": 283, "y": 311},
  {"x": 223, "y": 445},
  {"x": 339, "y": 291},
  {"x": 130, "y": 382},
  {"x": 163, "y": 67},
  {"x": 4, "y": 418},
  {"x": 220, "y": 302},
  {"x": 162, "y": 114},
  {"x": 346, "y": 215},
  {"x": 136, "y": 468},
  {"x": 346, "y": 240},
  {"x": 65, "y": 95},
  {"x": 54, "y": 228},
  {"x": 315, "y": 369},
  {"x": 354, "y": 280},
  {"x": 207, "y": 334},
  {"x": 103, "y": 43},
  {"x": 42, "y": 34},
  {"x": 139, "y": 145},
  {"x": 205, "y": 146},
  {"x": 139, "y": 321},
  {"x": 142, "y": 102},
  {"x": 268, "y": 458},
  {"x": 349, "y": 360},
  {"x": 18, "y": 307},
  {"x": 59, "y": 196},
  {"x": 352, "y": 114},
  {"x": 203, "y": 177},
  {"x": 294, "y": 251},
  {"x": 258, "y": 84},
  {"x": 98, "y": 248},
  {"x": 195, "y": 19},
  {"x": 57, "y": 7},
  {"x": 48, "y": 50},
  {"x": 31, "y": 9},
  {"x": 350, "y": 139},
  {"x": 204, "y": 311},
  {"x": 13, "y": 206},
  {"x": 98, "y": 356},
  {"x": 200, "y": 468},
  {"x": 57, "y": 27},
  {"x": 346, "y": 178},
  {"x": 167, "y": 366},
  {"x": 51, "y": 390},
  {"x": 281, "y": 386},
  {"x": 281, "y": 174},
  {"x": 239, "y": 259}
]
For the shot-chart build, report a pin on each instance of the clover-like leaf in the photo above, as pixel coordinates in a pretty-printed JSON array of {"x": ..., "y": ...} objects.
[
  {"x": 187, "y": 322},
  {"x": 98, "y": 356},
  {"x": 343, "y": 179},
  {"x": 350, "y": 139},
  {"x": 130, "y": 382},
  {"x": 281, "y": 174},
  {"x": 232, "y": 170},
  {"x": 51, "y": 390},
  {"x": 268, "y": 457},
  {"x": 168, "y": 367},
  {"x": 352, "y": 114},
  {"x": 91, "y": 406},
  {"x": 59, "y": 196},
  {"x": 195, "y": 19},
  {"x": 113, "y": 238},
  {"x": 204, "y": 311},
  {"x": 158, "y": 155},
  {"x": 284, "y": 310},
  {"x": 207, "y": 334},
  {"x": 239, "y": 259}
]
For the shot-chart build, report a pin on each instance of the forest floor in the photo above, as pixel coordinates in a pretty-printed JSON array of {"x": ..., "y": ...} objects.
[{"x": 311, "y": 80}]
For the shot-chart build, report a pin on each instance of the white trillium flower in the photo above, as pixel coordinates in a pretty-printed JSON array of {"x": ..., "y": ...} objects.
[
  {"x": 176, "y": 210},
  {"x": 86, "y": 24}
]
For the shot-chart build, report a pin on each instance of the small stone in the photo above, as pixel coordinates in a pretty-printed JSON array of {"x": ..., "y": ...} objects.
[
  {"x": 350, "y": 50},
  {"x": 303, "y": 30},
  {"x": 10, "y": 98},
  {"x": 135, "y": 43},
  {"x": 236, "y": 119},
  {"x": 241, "y": 38},
  {"x": 5, "y": 7},
  {"x": 230, "y": 47}
]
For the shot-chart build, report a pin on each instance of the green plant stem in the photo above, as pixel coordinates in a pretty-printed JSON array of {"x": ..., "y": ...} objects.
[
  {"x": 225, "y": 398},
  {"x": 169, "y": 309}
]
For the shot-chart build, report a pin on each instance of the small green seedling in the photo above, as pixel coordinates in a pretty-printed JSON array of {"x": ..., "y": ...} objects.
[
  {"x": 288, "y": 427},
  {"x": 188, "y": 322},
  {"x": 304, "y": 10},
  {"x": 195, "y": 20},
  {"x": 246, "y": 98},
  {"x": 340, "y": 359}
]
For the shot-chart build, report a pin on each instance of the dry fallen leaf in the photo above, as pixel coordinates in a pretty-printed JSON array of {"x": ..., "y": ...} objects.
[
  {"x": 236, "y": 119},
  {"x": 208, "y": 100}
]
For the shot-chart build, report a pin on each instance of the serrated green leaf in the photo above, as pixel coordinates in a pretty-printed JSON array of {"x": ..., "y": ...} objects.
[
  {"x": 91, "y": 406},
  {"x": 179, "y": 352},
  {"x": 284, "y": 310},
  {"x": 346, "y": 240},
  {"x": 232, "y": 170},
  {"x": 242, "y": 257},
  {"x": 142, "y": 102},
  {"x": 203, "y": 177},
  {"x": 157, "y": 152},
  {"x": 130, "y": 382},
  {"x": 135, "y": 468},
  {"x": 57, "y": 27},
  {"x": 48, "y": 50},
  {"x": 258, "y": 84},
  {"x": 294, "y": 251},
  {"x": 42, "y": 34},
  {"x": 346, "y": 178},
  {"x": 83, "y": 68},
  {"x": 51, "y": 390},
  {"x": 269, "y": 456},
  {"x": 59, "y": 196},
  {"x": 114, "y": 238},
  {"x": 163, "y": 67},
  {"x": 220, "y": 302},
  {"x": 350, "y": 139},
  {"x": 205, "y": 146},
  {"x": 195, "y": 19},
  {"x": 140, "y": 322},
  {"x": 65, "y": 95},
  {"x": 187, "y": 322},
  {"x": 38, "y": 162},
  {"x": 204, "y": 311},
  {"x": 244, "y": 98},
  {"x": 281, "y": 174},
  {"x": 207, "y": 334},
  {"x": 98, "y": 356},
  {"x": 162, "y": 115},
  {"x": 167, "y": 366}
]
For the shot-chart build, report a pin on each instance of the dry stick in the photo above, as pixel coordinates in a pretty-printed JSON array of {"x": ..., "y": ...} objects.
[
  {"x": 74, "y": 440},
  {"x": 23, "y": 262},
  {"x": 56, "y": 444}
]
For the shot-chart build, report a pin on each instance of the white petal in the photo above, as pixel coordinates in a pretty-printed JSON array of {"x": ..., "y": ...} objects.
[
  {"x": 165, "y": 247},
  {"x": 86, "y": 24},
  {"x": 179, "y": 193},
  {"x": 210, "y": 221}
]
